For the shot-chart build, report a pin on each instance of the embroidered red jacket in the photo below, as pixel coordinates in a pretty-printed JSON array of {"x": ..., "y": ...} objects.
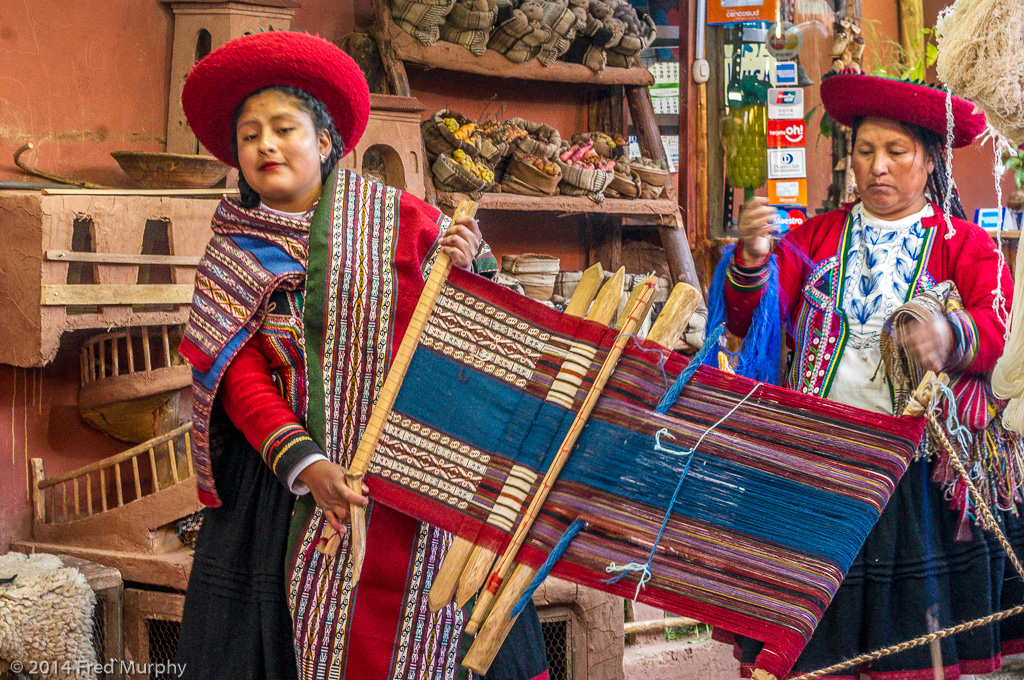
[{"x": 809, "y": 290}]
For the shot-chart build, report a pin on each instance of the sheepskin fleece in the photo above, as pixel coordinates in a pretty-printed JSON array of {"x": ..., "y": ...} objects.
[{"x": 46, "y": 616}]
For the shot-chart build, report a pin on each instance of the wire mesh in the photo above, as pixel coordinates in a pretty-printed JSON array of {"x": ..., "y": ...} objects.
[
  {"x": 163, "y": 646},
  {"x": 558, "y": 644},
  {"x": 99, "y": 636}
]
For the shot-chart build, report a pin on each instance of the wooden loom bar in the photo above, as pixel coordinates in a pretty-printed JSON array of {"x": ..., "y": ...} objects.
[
  {"x": 504, "y": 567},
  {"x": 386, "y": 399},
  {"x": 667, "y": 330},
  {"x": 445, "y": 583}
]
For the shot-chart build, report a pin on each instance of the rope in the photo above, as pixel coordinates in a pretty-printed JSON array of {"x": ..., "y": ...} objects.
[
  {"x": 910, "y": 644},
  {"x": 948, "y": 199}
]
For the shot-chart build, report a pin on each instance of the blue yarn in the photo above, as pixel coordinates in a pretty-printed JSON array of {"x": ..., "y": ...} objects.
[
  {"x": 759, "y": 354},
  {"x": 549, "y": 563},
  {"x": 710, "y": 343}
]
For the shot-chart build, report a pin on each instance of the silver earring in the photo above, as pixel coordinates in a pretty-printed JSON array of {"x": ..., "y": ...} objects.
[{"x": 323, "y": 159}]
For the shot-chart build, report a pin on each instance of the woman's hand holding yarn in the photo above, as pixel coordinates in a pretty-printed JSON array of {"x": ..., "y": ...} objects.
[
  {"x": 929, "y": 343},
  {"x": 756, "y": 225}
]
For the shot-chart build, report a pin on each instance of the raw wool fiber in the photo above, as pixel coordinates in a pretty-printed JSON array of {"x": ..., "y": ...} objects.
[
  {"x": 46, "y": 616},
  {"x": 981, "y": 58},
  {"x": 1008, "y": 376}
]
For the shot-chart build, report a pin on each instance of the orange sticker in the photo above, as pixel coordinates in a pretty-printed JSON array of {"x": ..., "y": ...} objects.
[
  {"x": 787, "y": 192},
  {"x": 733, "y": 11}
]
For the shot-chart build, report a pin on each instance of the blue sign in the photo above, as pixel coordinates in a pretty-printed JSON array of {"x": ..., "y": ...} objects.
[
  {"x": 785, "y": 73},
  {"x": 997, "y": 219}
]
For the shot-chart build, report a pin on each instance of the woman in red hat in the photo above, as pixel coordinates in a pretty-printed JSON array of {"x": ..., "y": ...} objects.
[
  {"x": 844, "y": 279},
  {"x": 283, "y": 107}
]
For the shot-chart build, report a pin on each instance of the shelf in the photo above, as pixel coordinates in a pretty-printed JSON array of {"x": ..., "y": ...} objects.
[
  {"x": 638, "y": 207},
  {"x": 452, "y": 57},
  {"x": 1011, "y": 235}
]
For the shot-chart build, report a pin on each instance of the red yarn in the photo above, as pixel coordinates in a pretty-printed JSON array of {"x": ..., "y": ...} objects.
[{"x": 221, "y": 81}]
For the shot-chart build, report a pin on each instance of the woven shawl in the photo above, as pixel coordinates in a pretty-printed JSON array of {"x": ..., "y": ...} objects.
[
  {"x": 252, "y": 253},
  {"x": 370, "y": 247}
]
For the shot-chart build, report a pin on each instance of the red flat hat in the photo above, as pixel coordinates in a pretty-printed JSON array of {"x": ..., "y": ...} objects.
[
  {"x": 222, "y": 80},
  {"x": 850, "y": 96}
]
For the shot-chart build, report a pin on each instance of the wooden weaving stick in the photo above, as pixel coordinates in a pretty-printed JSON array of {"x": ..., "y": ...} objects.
[
  {"x": 563, "y": 391},
  {"x": 385, "y": 402},
  {"x": 667, "y": 330},
  {"x": 505, "y": 564},
  {"x": 445, "y": 583}
]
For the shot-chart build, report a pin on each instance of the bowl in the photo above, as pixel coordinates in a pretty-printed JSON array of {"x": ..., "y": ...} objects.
[{"x": 161, "y": 170}]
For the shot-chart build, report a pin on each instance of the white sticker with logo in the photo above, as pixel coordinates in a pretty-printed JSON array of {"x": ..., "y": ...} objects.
[
  {"x": 787, "y": 163},
  {"x": 785, "y": 103}
]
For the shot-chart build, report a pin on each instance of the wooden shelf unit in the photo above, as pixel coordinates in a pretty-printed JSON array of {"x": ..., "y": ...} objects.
[{"x": 398, "y": 48}]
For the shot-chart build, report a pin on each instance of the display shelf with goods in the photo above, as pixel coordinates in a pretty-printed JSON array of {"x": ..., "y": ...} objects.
[{"x": 607, "y": 95}]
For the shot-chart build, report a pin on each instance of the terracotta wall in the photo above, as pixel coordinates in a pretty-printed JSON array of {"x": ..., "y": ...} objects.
[
  {"x": 83, "y": 79},
  {"x": 39, "y": 418}
]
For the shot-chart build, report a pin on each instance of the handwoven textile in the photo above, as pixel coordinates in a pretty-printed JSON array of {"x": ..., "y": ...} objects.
[
  {"x": 778, "y": 499},
  {"x": 370, "y": 246},
  {"x": 252, "y": 253}
]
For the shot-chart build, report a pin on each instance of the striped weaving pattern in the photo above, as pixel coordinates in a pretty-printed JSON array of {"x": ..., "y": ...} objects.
[{"x": 778, "y": 499}]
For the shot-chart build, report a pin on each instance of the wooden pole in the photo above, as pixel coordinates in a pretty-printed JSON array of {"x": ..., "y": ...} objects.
[{"x": 911, "y": 27}]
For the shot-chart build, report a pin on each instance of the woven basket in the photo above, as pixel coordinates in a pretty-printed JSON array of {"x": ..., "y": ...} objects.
[
  {"x": 656, "y": 177},
  {"x": 421, "y": 18},
  {"x": 539, "y": 183},
  {"x": 469, "y": 28},
  {"x": 544, "y": 140},
  {"x": 517, "y": 40},
  {"x": 450, "y": 176},
  {"x": 439, "y": 140},
  {"x": 535, "y": 272},
  {"x": 583, "y": 181},
  {"x": 626, "y": 186}
]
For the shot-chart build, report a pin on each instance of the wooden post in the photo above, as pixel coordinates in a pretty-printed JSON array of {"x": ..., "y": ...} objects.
[
  {"x": 115, "y": 355},
  {"x": 117, "y": 481},
  {"x": 648, "y": 134},
  {"x": 78, "y": 508},
  {"x": 171, "y": 458},
  {"x": 88, "y": 495},
  {"x": 145, "y": 349},
  {"x": 38, "y": 495},
  {"x": 131, "y": 352},
  {"x": 188, "y": 453},
  {"x": 911, "y": 25},
  {"x": 138, "y": 482},
  {"x": 152, "y": 467},
  {"x": 103, "y": 490},
  {"x": 167, "y": 346}
]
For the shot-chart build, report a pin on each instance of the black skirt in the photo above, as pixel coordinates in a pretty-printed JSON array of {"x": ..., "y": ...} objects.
[
  {"x": 236, "y": 623},
  {"x": 909, "y": 564}
]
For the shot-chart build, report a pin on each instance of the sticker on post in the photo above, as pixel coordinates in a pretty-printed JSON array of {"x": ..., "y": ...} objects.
[
  {"x": 787, "y": 163},
  {"x": 784, "y": 40},
  {"x": 787, "y": 191},
  {"x": 785, "y": 104},
  {"x": 786, "y": 74},
  {"x": 786, "y": 134}
]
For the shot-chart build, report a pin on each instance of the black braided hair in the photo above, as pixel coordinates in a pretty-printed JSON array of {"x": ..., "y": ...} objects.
[
  {"x": 935, "y": 146},
  {"x": 321, "y": 121}
]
